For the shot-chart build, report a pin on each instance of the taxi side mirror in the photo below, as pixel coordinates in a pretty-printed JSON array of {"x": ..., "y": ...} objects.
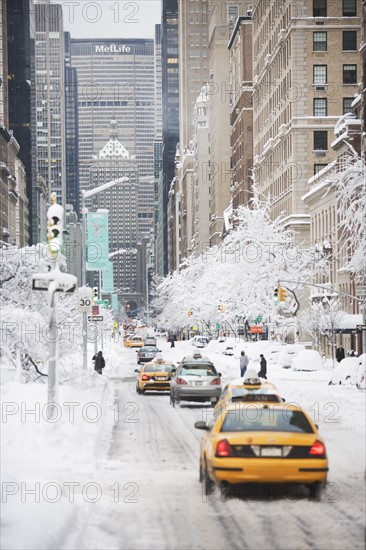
[
  {"x": 219, "y": 374},
  {"x": 200, "y": 425},
  {"x": 137, "y": 370}
]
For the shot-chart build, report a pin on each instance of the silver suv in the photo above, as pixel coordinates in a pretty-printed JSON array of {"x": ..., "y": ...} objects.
[{"x": 195, "y": 379}]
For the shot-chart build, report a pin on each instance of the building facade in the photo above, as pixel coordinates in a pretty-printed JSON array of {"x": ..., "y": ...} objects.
[
  {"x": 112, "y": 162},
  {"x": 241, "y": 113},
  {"x": 71, "y": 130},
  {"x": 170, "y": 103},
  {"x": 21, "y": 58},
  {"x": 116, "y": 82},
  {"x": 306, "y": 67},
  {"x": 50, "y": 106}
]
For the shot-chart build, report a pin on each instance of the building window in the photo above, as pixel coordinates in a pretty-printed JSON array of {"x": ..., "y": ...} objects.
[
  {"x": 349, "y": 8},
  {"x": 320, "y": 107},
  {"x": 318, "y": 168},
  {"x": 349, "y": 74},
  {"x": 319, "y": 75},
  {"x": 349, "y": 41},
  {"x": 347, "y": 104},
  {"x": 319, "y": 8},
  {"x": 320, "y": 140},
  {"x": 320, "y": 41}
]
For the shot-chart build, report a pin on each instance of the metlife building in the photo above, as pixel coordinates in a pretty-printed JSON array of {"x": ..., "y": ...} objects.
[{"x": 116, "y": 82}]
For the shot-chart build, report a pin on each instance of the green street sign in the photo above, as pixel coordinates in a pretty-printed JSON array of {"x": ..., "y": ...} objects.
[
  {"x": 258, "y": 319},
  {"x": 218, "y": 326},
  {"x": 104, "y": 303}
]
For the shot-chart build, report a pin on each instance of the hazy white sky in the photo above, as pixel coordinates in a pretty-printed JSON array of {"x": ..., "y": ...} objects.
[{"x": 114, "y": 19}]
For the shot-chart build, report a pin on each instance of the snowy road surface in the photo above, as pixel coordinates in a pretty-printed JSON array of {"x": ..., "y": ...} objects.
[{"x": 149, "y": 477}]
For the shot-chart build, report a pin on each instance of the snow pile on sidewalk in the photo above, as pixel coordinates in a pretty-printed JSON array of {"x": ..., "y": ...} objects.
[{"x": 49, "y": 466}]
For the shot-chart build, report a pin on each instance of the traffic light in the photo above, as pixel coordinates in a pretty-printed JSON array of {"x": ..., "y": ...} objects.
[
  {"x": 55, "y": 221},
  {"x": 190, "y": 313},
  {"x": 275, "y": 295},
  {"x": 219, "y": 307},
  {"x": 95, "y": 293},
  {"x": 283, "y": 294}
]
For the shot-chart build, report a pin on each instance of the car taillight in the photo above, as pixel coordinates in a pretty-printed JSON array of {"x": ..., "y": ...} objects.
[
  {"x": 181, "y": 381},
  {"x": 144, "y": 377},
  {"x": 216, "y": 382},
  {"x": 317, "y": 449},
  {"x": 224, "y": 449}
]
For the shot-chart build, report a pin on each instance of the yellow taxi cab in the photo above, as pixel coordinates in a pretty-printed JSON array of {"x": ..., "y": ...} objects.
[
  {"x": 262, "y": 443},
  {"x": 134, "y": 342},
  {"x": 251, "y": 389},
  {"x": 155, "y": 376}
]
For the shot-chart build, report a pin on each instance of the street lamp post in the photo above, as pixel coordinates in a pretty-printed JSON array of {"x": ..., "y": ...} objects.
[{"x": 86, "y": 195}]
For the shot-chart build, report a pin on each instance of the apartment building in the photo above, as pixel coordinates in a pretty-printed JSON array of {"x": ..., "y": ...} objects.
[{"x": 306, "y": 68}]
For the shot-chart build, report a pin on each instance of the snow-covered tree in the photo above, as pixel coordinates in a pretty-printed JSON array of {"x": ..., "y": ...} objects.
[
  {"x": 24, "y": 312},
  {"x": 240, "y": 274},
  {"x": 351, "y": 194}
]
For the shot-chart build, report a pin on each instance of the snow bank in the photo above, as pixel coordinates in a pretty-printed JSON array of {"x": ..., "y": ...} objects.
[{"x": 49, "y": 467}]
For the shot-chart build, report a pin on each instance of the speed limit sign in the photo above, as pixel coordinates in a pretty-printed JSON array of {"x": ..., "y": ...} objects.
[{"x": 85, "y": 299}]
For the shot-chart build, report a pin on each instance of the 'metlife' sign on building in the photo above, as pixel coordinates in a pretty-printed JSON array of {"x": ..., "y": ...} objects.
[{"x": 113, "y": 48}]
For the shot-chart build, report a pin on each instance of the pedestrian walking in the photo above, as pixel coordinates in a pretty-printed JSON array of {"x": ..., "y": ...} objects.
[
  {"x": 244, "y": 362},
  {"x": 99, "y": 362},
  {"x": 340, "y": 354},
  {"x": 172, "y": 339},
  {"x": 263, "y": 370}
]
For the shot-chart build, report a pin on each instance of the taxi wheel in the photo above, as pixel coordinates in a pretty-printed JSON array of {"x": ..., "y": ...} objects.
[
  {"x": 200, "y": 475},
  {"x": 208, "y": 484},
  {"x": 315, "y": 491}
]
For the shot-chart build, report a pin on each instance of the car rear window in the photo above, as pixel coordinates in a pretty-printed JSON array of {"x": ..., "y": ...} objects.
[
  {"x": 254, "y": 418},
  {"x": 158, "y": 368},
  {"x": 199, "y": 370}
]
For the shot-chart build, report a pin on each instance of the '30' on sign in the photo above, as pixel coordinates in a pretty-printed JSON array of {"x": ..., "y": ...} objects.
[{"x": 85, "y": 299}]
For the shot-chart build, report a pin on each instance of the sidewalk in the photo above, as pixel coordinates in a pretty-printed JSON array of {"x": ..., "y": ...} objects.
[{"x": 49, "y": 468}]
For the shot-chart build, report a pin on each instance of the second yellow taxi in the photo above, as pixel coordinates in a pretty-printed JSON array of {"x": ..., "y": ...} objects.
[{"x": 155, "y": 376}]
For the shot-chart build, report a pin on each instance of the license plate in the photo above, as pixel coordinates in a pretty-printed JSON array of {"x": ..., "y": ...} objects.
[
  {"x": 271, "y": 451},
  {"x": 199, "y": 383},
  {"x": 160, "y": 378}
]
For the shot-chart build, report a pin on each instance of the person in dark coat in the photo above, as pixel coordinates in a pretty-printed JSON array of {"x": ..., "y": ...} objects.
[
  {"x": 340, "y": 354},
  {"x": 263, "y": 371},
  {"x": 99, "y": 363},
  {"x": 172, "y": 340}
]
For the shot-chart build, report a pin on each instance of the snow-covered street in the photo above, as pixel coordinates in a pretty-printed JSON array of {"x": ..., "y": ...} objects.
[{"x": 146, "y": 468}]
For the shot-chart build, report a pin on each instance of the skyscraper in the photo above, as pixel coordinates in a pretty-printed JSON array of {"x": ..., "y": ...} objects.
[
  {"x": 112, "y": 162},
  {"x": 116, "y": 82},
  {"x": 50, "y": 101},
  {"x": 71, "y": 130},
  {"x": 21, "y": 43}
]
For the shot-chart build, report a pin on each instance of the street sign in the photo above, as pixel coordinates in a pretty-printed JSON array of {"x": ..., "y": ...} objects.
[
  {"x": 361, "y": 290},
  {"x": 361, "y": 327},
  {"x": 256, "y": 330},
  {"x": 85, "y": 299},
  {"x": 95, "y": 310},
  {"x": 95, "y": 317},
  {"x": 65, "y": 281},
  {"x": 104, "y": 303}
]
